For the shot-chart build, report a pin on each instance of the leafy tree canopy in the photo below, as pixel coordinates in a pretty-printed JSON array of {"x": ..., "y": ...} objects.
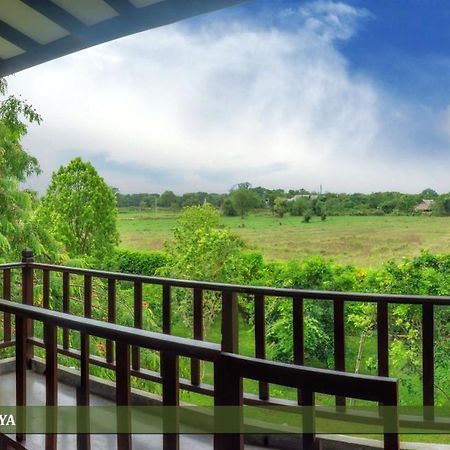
[
  {"x": 80, "y": 210},
  {"x": 201, "y": 250},
  {"x": 243, "y": 199},
  {"x": 18, "y": 225}
]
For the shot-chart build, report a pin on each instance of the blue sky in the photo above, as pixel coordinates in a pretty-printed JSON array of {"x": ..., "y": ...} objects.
[{"x": 353, "y": 95}]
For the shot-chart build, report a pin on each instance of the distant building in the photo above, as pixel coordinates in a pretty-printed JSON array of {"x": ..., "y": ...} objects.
[
  {"x": 298, "y": 196},
  {"x": 425, "y": 206}
]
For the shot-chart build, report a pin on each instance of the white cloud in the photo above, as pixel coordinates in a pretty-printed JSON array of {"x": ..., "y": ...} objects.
[
  {"x": 208, "y": 107},
  {"x": 332, "y": 20}
]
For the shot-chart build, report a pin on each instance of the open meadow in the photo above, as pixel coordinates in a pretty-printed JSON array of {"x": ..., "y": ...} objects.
[{"x": 365, "y": 241}]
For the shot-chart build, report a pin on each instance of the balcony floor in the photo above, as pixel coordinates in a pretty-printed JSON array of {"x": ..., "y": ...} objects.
[{"x": 66, "y": 397}]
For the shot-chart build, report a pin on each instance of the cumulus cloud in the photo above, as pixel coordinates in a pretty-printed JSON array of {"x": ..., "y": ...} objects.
[{"x": 202, "y": 108}]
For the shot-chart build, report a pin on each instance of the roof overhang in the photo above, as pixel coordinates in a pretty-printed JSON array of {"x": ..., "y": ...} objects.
[{"x": 36, "y": 31}]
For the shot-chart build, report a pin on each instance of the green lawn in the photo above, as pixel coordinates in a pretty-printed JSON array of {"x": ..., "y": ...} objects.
[{"x": 361, "y": 241}]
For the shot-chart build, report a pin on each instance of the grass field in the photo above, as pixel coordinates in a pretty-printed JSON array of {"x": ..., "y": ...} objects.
[{"x": 361, "y": 241}]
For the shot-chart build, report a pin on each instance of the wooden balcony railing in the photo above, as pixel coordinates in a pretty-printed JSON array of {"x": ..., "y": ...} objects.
[
  {"x": 229, "y": 370},
  {"x": 31, "y": 271}
]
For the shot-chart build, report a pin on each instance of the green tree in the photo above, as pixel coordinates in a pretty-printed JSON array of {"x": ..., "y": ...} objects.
[
  {"x": 243, "y": 199},
  {"x": 441, "y": 206},
  {"x": 429, "y": 193},
  {"x": 299, "y": 206},
  {"x": 167, "y": 199},
  {"x": 279, "y": 207},
  {"x": 18, "y": 225},
  {"x": 80, "y": 210},
  {"x": 201, "y": 250},
  {"x": 228, "y": 208}
]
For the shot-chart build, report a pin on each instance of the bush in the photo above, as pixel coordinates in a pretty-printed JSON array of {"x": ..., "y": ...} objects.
[
  {"x": 228, "y": 208},
  {"x": 137, "y": 262}
]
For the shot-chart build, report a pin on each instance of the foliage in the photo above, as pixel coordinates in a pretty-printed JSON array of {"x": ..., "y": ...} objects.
[
  {"x": 18, "y": 225},
  {"x": 425, "y": 275},
  {"x": 441, "y": 206},
  {"x": 429, "y": 193},
  {"x": 133, "y": 261},
  {"x": 314, "y": 273},
  {"x": 307, "y": 216},
  {"x": 228, "y": 208},
  {"x": 299, "y": 206},
  {"x": 279, "y": 207},
  {"x": 243, "y": 199},
  {"x": 79, "y": 208},
  {"x": 168, "y": 199},
  {"x": 297, "y": 201},
  {"x": 201, "y": 250}
]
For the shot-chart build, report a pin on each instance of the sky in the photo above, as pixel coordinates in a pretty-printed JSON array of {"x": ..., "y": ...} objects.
[{"x": 353, "y": 95}]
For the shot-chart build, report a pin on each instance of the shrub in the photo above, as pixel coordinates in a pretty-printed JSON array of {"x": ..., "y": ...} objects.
[
  {"x": 228, "y": 208},
  {"x": 137, "y": 262}
]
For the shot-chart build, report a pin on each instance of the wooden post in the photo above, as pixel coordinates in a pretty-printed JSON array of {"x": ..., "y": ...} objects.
[
  {"x": 170, "y": 398},
  {"x": 7, "y": 296},
  {"x": 198, "y": 334},
  {"x": 51, "y": 384},
  {"x": 27, "y": 299},
  {"x": 260, "y": 340},
  {"x": 21, "y": 373},
  {"x": 111, "y": 317},
  {"x": 298, "y": 336},
  {"x": 123, "y": 391},
  {"x": 383, "y": 339},
  {"x": 230, "y": 330},
  {"x": 227, "y": 392}
]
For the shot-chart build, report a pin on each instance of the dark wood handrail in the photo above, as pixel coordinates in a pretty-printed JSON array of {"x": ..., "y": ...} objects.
[
  {"x": 16, "y": 265},
  {"x": 252, "y": 290},
  {"x": 141, "y": 338},
  {"x": 324, "y": 381}
]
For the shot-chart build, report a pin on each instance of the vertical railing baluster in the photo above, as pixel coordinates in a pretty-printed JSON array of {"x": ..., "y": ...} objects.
[
  {"x": 227, "y": 392},
  {"x": 21, "y": 374},
  {"x": 230, "y": 323},
  {"x": 308, "y": 420},
  {"x": 7, "y": 296},
  {"x": 298, "y": 335},
  {"x": 428, "y": 358},
  {"x": 123, "y": 394},
  {"x": 46, "y": 288},
  {"x": 136, "y": 351},
  {"x": 111, "y": 317},
  {"x": 260, "y": 340},
  {"x": 87, "y": 296},
  {"x": 83, "y": 438},
  {"x": 28, "y": 299},
  {"x": 166, "y": 309},
  {"x": 339, "y": 341},
  {"x": 170, "y": 398},
  {"x": 383, "y": 339},
  {"x": 198, "y": 334},
  {"x": 51, "y": 385},
  {"x": 66, "y": 306},
  {"x": 390, "y": 414}
]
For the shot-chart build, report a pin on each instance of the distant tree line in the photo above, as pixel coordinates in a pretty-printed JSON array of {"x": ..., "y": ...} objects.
[{"x": 243, "y": 198}]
